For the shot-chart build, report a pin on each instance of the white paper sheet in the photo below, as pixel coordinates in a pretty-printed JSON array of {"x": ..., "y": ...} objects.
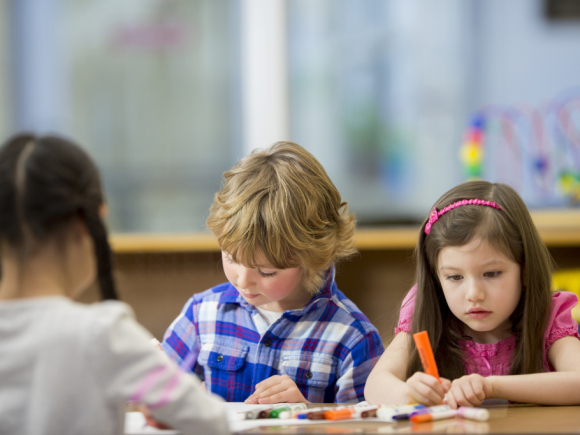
[{"x": 135, "y": 421}]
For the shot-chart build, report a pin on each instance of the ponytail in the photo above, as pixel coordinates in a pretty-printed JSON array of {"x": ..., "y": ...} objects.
[{"x": 103, "y": 254}]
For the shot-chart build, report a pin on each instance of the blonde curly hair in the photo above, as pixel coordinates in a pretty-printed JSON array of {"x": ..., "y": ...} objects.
[{"x": 280, "y": 202}]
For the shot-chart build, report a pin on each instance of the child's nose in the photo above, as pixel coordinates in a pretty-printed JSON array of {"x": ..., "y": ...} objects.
[
  {"x": 245, "y": 279},
  {"x": 475, "y": 291}
]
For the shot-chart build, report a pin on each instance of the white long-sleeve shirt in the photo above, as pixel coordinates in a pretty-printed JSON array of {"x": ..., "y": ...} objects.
[{"x": 70, "y": 368}]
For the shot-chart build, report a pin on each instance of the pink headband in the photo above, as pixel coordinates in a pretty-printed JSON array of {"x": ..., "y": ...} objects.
[{"x": 435, "y": 215}]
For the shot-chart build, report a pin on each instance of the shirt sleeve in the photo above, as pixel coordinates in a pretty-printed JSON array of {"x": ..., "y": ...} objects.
[
  {"x": 406, "y": 314},
  {"x": 180, "y": 341},
  {"x": 356, "y": 368},
  {"x": 129, "y": 368},
  {"x": 561, "y": 324}
]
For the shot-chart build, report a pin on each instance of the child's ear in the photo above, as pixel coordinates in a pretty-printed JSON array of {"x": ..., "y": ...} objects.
[{"x": 103, "y": 211}]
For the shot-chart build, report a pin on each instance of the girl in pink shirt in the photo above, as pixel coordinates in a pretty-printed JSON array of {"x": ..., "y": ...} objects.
[{"x": 483, "y": 295}]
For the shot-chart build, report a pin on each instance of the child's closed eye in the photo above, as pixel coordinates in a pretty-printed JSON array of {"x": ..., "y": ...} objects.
[{"x": 267, "y": 275}]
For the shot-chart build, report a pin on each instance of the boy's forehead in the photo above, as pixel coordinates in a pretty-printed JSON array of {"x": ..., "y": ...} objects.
[{"x": 259, "y": 259}]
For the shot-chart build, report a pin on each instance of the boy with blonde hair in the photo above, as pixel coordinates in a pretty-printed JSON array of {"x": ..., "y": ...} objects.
[{"x": 279, "y": 330}]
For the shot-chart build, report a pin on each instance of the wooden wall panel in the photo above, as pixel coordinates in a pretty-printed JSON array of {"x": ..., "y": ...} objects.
[{"x": 157, "y": 285}]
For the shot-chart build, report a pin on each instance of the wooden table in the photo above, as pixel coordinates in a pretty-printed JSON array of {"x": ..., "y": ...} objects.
[{"x": 504, "y": 419}]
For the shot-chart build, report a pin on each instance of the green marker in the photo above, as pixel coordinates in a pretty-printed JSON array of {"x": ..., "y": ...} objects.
[
  {"x": 275, "y": 413},
  {"x": 288, "y": 409}
]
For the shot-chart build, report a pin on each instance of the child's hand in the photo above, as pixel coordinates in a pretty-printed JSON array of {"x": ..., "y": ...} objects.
[
  {"x": 150, "y": 420},
  {"x": 276, "y": 389},
  {"x": 468, "y": 390},
  {"x": 426, "y": 389}
]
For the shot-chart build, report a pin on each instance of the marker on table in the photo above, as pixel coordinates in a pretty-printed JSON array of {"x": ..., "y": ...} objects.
[
  {"x": 251, "y": 414},
  {"x": 443, "y": 411},
  {"x": 426, "y": 353},
  {"x": 406, "y": 415},
  {"x": 434, "y": 414},
  {"x": 388, "y": 413},
  {"x": 313, "y": 413},
  {"x": 285, "y": 411},
  {"x": 479, "y": 414},
  {"x": 302, "y": 415},
  {"x": 265, "y": 413},
  {"x": 348, "y": 413},
  {"x": 369, "y": 413}
]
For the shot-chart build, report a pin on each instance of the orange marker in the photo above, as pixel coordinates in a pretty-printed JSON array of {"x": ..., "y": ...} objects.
[
  {"x": 434, "y": 415},
  {"x": 348, "y": 413},
  {"x": 426, "y": 353}
]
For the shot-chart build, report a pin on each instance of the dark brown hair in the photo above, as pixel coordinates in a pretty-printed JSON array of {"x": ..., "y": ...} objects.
[
  {"x": 45, "y": 183},
  {"x": 510, "y": 231}
]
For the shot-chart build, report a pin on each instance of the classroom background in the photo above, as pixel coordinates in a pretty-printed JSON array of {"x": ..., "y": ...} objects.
[{"x": 399, "y": 100}]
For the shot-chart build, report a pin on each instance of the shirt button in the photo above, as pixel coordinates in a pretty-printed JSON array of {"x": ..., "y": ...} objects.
[
  {"x": 267, "y": 342},
  {"x": 308, "y": 374},
  {"x": 220, "y": 358}
]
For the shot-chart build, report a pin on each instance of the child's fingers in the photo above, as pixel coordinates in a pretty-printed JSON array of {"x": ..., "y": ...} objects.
[
  {"x": 263, "y": 386},
  {"x": 474, "y": 389},
  {"x": 268, "y": 383},
  {"x": 468, "y": 396},
  {"x": 429, "y": 387},
  {"x": 150, "y": 420},
  {"x": 271, "y": 391},
  {"x": 478, "y": 391},
  {"x": 450, "y": 400},
  {"x": 434, "y": 396},
  {"x": 276, "y": 398},
  {"x": 421, "y": 393},
  {"x": 456, "y": 394},
  {"x": 445, "y": 384},
  {"x": 438, "y": 388},
  {"x": 415, "y": 397},
  {"x": 285, "y": 391},
  {"x": 432, "y": 382}
]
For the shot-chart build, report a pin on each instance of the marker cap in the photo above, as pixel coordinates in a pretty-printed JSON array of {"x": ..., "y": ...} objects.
[{"x": 479, "y": 414}]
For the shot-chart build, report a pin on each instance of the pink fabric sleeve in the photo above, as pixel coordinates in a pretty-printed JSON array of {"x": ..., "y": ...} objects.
[
  {"x": 406, "y": 313},
  {"x": 560, "y": 322}
]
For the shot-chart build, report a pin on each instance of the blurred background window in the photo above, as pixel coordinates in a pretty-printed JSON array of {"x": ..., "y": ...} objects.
[
  {"x": 168, "y": 94},
  {"x": 150, "y": 87},
  {"x": 152, "y": 91},
  {"x": 379, "y": 91}
]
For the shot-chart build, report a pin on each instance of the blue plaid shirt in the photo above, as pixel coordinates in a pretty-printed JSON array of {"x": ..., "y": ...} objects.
[{"x": 328, "y": 348}]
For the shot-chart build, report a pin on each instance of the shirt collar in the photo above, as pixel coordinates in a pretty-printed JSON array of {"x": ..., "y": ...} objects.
[
  {"x": 232, "y": 296},
  {"x": 323, "y": 295}
]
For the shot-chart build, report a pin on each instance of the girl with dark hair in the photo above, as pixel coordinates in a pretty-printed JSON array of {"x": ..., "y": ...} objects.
[
  {"x": 65, "y": 367},
  {"x": 484, "y": 296}
]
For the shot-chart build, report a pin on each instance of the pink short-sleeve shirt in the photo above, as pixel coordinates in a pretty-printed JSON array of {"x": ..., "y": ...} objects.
[{"x": 495, "y": 359}]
